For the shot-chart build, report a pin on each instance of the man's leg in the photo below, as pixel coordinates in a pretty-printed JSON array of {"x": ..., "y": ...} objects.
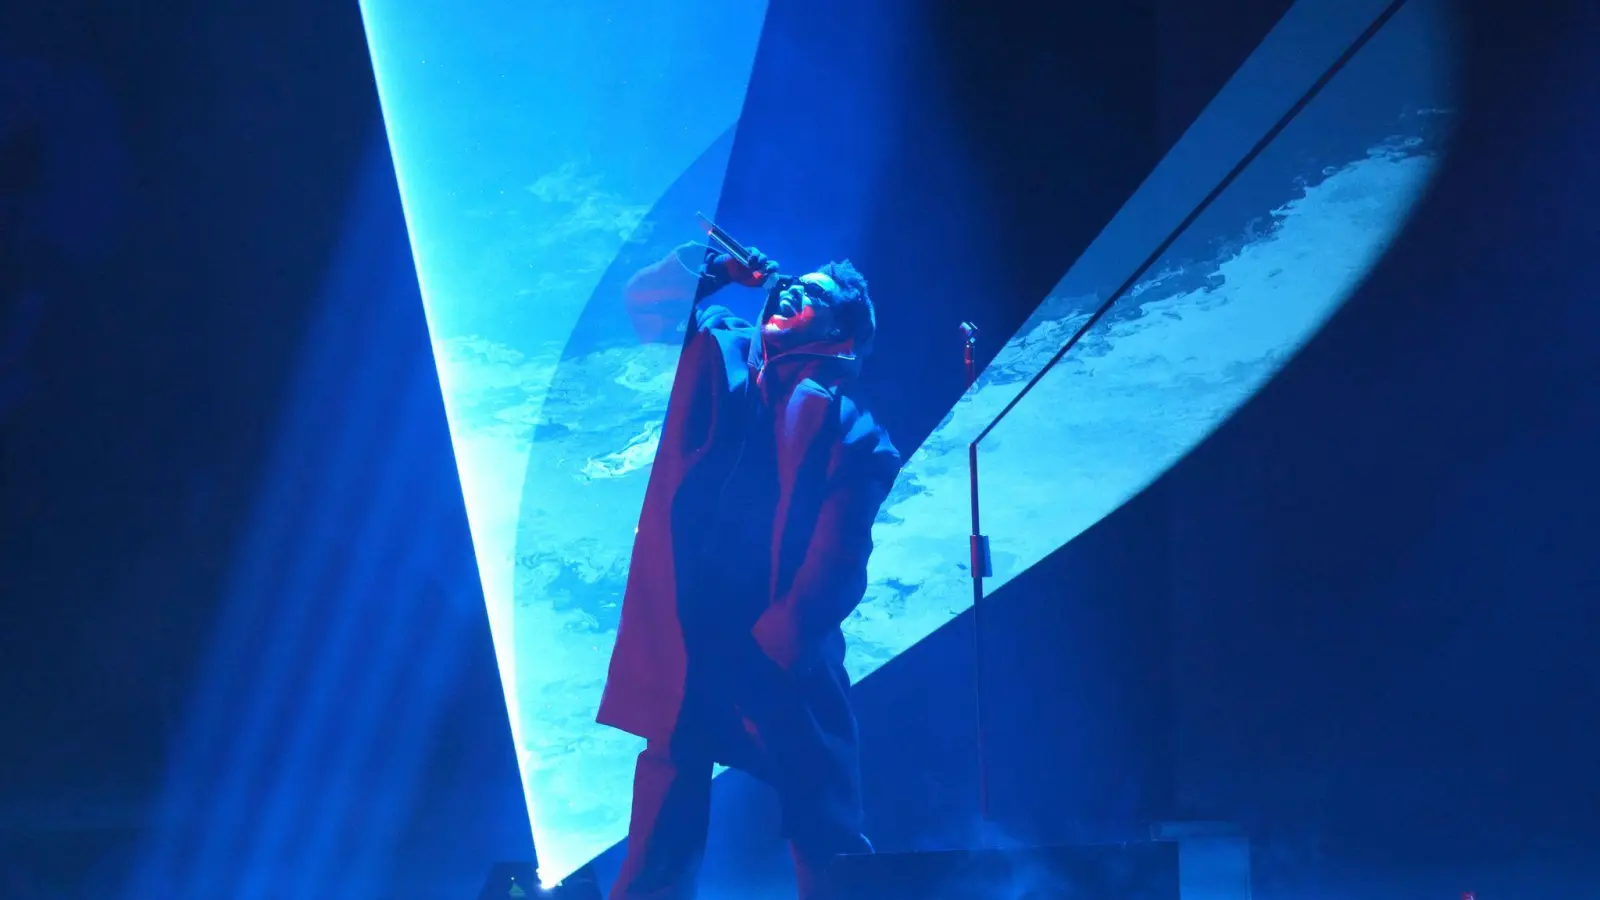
[
  {"x": 812, "y": 860},
  {"x": 667, "y": 830},
  {"x": 808, "y": 738}
]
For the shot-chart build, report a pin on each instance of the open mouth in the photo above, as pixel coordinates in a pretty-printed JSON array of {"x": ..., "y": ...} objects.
[{"x": 785, "y": 309}]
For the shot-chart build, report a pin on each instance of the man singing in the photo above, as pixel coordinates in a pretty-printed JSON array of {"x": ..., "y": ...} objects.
[{"x": 751, "y": 550}]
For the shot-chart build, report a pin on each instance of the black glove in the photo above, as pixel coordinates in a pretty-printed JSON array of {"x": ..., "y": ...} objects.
[{"x": 724, "y": 269}]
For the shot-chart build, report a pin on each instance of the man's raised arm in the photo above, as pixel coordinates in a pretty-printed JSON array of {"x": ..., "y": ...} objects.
[{"x": 658, "y": 296}]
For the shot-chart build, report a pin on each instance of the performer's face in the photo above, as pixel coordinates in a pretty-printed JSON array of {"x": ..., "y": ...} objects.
[{"x": 805, "y": 312}]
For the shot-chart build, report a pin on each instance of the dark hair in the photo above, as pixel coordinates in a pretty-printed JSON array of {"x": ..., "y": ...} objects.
[{"x": 852, "y": 305}]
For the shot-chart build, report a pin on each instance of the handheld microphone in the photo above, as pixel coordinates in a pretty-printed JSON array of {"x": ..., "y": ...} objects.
[
  {"x": 721, "y": 238},
  {"x": 742, "y": 255}
]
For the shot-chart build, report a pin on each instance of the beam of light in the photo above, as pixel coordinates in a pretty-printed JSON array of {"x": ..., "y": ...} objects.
[
  {"x": 376, "y": 567},
  {"x": 281, "y": 643},
  {"x": 530, "y": 140},
  {"x": 531, "y": 145},
  {"x": 277, "y": 523},
  {"x": 333, "y": 625}
]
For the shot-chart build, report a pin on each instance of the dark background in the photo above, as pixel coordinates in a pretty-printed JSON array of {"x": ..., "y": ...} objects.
[{"x": 1359, "y": 619}]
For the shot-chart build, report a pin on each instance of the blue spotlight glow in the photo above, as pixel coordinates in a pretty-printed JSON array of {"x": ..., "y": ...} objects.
[
  {"x": 533, "y": 142},
  {"x": 530, "y": 141},
  {"x": 318, "y": 704}
]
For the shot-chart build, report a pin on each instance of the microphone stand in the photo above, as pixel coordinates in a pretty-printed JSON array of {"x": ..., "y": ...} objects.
[{"x": 981, "y": 566}]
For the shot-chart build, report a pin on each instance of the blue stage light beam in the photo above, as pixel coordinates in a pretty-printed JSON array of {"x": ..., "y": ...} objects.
[
  {"x": 270, "y": 607},
  {"x": 338, "y": 642},
  {"x": 530, "y": 142},
  {"x": 379, "y": 565}
]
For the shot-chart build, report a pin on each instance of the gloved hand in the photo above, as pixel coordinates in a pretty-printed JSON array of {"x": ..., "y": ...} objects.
[{"x": 725, "y": 269}]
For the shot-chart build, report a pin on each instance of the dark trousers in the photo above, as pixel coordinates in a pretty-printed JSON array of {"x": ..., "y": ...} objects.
[{"x": 794, "y": 731}]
